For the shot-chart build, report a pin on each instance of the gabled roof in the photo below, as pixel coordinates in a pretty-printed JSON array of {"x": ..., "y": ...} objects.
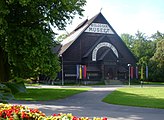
[
  {"x": 75, "y": 34},
  {"x": 86, "y": 26}
]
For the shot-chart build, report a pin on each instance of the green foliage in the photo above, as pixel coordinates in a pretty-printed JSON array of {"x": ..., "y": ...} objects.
[
  {"x": 157, "y": 61},
  {"x": 26, "y": 35},
  {"x": 5, "y": 93},
  {"x": 61, "y": 37},
  {"x": 16, "y": 87},
  {"x": 8, "y": 89},
  {"x": 159, "y": 54},
  {"x": 157, "y": 36},
  {"x": 140, "y": 45},
  {"x": 128, "y": 40}
]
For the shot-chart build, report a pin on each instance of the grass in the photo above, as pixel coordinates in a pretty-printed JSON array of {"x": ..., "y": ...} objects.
[
  {"x": 26, "y": 84},
  {"x": 138, "y": 82},
  {"x": 43, "y": 94},
  {"x": 153, "y": 83},
  {"x": 152, "y": 97}
]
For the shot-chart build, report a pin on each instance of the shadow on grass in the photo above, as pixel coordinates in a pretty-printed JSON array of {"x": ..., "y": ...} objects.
[
  {"x": 44, "y": 94},
  {"x": 130, "y": 99}
]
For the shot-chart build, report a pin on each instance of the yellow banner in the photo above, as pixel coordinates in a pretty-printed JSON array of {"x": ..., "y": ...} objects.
[
  {"x": 80, "y": 77},
  {"x": 142, "y": 72}
]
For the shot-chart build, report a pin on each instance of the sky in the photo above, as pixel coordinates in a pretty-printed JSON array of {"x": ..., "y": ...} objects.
[{"x": 126, "y": 16}]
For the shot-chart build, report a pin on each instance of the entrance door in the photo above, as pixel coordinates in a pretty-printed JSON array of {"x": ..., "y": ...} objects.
[{"x": 108, "y": 72}]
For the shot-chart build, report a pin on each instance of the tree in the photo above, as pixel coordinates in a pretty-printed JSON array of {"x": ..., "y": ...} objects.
[
  {"x": 128, "y": 40},
  {"x": 159, "y": 53},
  {"x": 61, "y": 37},
  {"x": 158, "y": 36},
  {"x": 142, "y": 47},
  {"x": 26, "y": 38},
  {"x": 158, "y": 60}
]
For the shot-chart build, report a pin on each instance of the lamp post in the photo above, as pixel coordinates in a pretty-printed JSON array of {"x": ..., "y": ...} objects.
[
  {"x": 62, "y": 69},
  {"x": 129, "y": 73}
]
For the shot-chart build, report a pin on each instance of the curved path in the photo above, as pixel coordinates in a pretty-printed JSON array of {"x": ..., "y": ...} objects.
[{"x": 89, "y": 104}]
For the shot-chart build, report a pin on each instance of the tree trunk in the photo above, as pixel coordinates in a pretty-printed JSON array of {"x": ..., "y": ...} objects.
[{"x": 4, "y": 66}]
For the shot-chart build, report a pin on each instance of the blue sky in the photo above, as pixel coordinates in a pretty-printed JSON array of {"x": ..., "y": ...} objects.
[{"x": 126, "y": 16}]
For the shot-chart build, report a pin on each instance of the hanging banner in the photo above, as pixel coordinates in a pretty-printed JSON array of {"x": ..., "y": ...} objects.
[
  {"x": 84, "y": 71},
  {"x": 147, "y": 72},
  {"x": 77, "y": 71},
  {"x": 80, "y": 71},
  {"x": 82, "y": 68}
]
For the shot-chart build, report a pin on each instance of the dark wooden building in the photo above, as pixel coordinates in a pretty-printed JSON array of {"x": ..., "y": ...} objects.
[{"x": 96, "y": 45}]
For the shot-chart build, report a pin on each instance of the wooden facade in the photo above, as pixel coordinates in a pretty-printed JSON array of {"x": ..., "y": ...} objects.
[{"x": 95, "y": 44}]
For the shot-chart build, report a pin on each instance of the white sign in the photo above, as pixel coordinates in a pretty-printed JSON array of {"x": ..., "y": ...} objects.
[
  {"x": 99, "y": 28},
  {"x": 103, "y": 44}
]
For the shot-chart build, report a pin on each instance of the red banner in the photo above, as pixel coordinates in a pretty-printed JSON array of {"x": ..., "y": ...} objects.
[{"x": 84, "y": 72}]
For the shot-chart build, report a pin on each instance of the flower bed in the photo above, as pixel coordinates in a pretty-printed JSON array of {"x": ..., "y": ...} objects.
[{"x": 19, "y": 112}]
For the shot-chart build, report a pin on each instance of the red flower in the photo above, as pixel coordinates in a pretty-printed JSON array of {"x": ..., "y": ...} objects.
[
  {"x": 74, "y": 118},
  {"x": 105, "y": 118},
  {"x": 24, "y": 115},
  {"x": 11, "y": 118}
]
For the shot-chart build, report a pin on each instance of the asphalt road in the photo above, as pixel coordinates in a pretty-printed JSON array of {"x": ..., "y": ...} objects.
[{"x": 89, "y": 104}]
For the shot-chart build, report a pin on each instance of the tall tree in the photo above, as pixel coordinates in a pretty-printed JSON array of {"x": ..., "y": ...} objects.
[
  {"x": 157, "y": 36},
  {"x": 158, "y": 60},
  {"x": 142, "y": 47},
  {"x": 26, "y": 38},
  {"x": 128, "y": 40}
]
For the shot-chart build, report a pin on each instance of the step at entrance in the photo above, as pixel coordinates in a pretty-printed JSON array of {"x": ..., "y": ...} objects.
[{"x": 113, "y": 82}]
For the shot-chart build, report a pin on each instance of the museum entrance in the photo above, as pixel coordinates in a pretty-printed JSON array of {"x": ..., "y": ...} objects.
[{"x": 110, "y": 71}]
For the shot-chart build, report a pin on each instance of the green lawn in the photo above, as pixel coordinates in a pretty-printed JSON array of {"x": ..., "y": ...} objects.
[
  {"x": 48, "y": 94},
  {"x": 152, "y": 97},
  {"x": 153, "y": 83}
]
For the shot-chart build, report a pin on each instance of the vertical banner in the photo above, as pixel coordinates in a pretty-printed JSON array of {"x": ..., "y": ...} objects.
[
  {"x": 82, "y": 68},
  {"x": 84, "y": 71},
  {"x": 77, "y": 71},
  {"x": 131, "y": 72},
  {"x": 141, "y": 72},
  {"x": 147, "y": 72},
  {"x": 80, "y": 71},
  {"x": 136, "y": 72}
]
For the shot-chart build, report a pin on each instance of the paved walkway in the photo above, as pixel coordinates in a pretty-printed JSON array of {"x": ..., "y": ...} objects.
[{"x": 89, "y": 104}]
